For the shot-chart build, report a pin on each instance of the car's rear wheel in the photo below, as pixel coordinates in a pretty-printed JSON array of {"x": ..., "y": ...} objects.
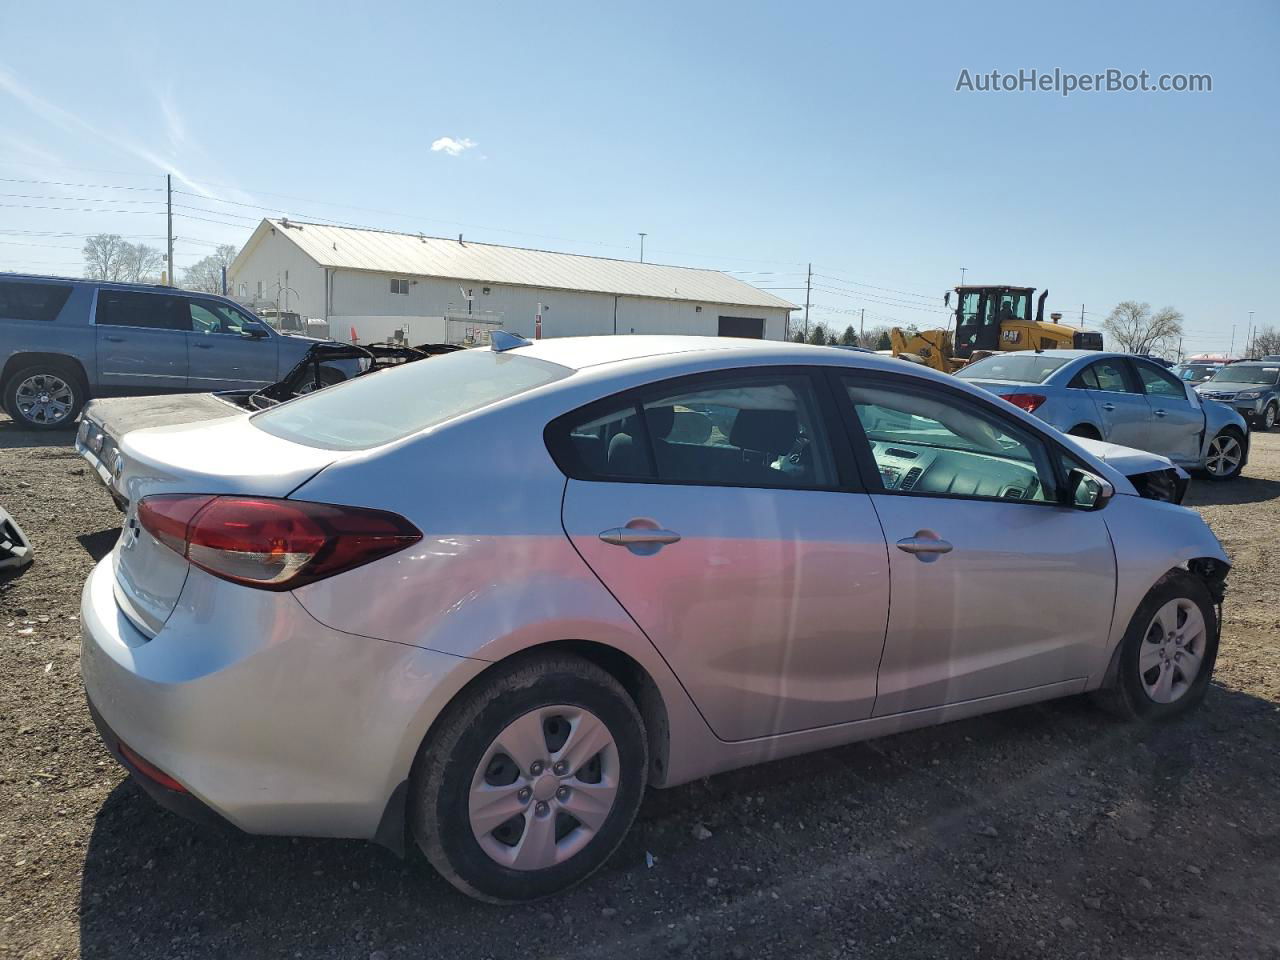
[
  {"x": 1168, "y": 652},
  {"x": 1225, "y": 458},
  {"x": 45, "y": 396},
  {"x": 530, "y": 780}
]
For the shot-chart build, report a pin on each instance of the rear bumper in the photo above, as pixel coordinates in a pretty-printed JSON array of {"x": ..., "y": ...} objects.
[{"x": 270, "y": 720}]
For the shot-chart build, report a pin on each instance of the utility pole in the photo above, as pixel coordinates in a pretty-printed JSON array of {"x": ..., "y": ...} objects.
[
  {"x": 1082, "y": 316},
  {"x": 808, "y": 283},
  {"x": 963, "y": 271},
  {"x": 1232, "y": 348},
  {"x": 1249, "y": 347},
  {"x": 642, "y": 236},
  {"x": 168, "y": 184},
  {"x": 862, "y": 324}
]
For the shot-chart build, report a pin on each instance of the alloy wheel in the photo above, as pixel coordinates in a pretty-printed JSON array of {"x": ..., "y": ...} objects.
[
  {"x": 1225, "y": 454},
  {"x": 1269, "y": 417},
  {"x": 44, "y": 398},
  {"x": 544, "y": 787},
  {"x": 1172, "y": 650}
]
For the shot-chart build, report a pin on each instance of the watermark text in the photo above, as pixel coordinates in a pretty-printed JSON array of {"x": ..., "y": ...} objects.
[{"x": 1065, "y": 83}]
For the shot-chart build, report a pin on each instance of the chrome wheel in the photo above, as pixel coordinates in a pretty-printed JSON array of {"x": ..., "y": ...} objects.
[
  {"x": 1172, "y": 650},
  {"x": 44, "y": 398},
  {"x": 544, "y": 787},
  {"x": 1225, "y": 454},
  {"x": 1269, "y": 417}
]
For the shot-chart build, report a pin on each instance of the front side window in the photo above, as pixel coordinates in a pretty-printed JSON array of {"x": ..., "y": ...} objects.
[
  {"x": 32, "y": 301},
  {"x": 1159, "y": 383},
  {"x": 757, "y": 430},
  {"x": 153, "y": 311},
  {"x": 930, "y": 442},
  {"x": 209, "y": 316}
]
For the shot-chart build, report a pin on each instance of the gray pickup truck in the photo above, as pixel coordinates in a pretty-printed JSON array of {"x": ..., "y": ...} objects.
[{"x": 64, "y": 341}]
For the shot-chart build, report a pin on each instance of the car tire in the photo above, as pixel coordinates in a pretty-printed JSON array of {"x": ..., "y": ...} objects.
[
  {"x": 61, "y": 383},
  {"x": 1175, "y": 620},
  {"x": 1218, "y": 466},
  {"x": 326, "y": 376},
  {"x": 462, "y": 767},
  {"x": 1267, "y": 420}
]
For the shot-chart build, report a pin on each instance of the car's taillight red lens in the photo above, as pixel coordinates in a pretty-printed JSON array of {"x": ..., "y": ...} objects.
[
  {"x": 148, "y": 769},
  {"x": 1027, "y": 401},
  {"x": 273, "y": 544}
]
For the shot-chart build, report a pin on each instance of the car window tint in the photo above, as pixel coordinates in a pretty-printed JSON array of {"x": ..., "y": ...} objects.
[
  {"x": 1158, "y": 383},
  {"x": 209, "y": 316},
  {"x": 1110, "y": 376},
  {"x": 603, "y": 444},
  {"x": 759, "y": 431},
  {"x": 1086, "y": 379},
  {"x": 930, "y": 442},
  {"x": 32, "y": 301},
  {"x": 155, "y": 311}
]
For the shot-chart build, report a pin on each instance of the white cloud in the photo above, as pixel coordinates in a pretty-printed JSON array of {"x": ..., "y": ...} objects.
[{"x": 451, "y": 146}]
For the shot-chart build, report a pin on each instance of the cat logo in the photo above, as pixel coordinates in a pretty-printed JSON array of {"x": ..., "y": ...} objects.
[{"x": 1011, "y": 336}]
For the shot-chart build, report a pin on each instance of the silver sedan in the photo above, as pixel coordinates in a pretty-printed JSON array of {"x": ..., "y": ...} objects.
[
  {"x": 1122, "y": 399},
  {"x": 485, "y": 601}
]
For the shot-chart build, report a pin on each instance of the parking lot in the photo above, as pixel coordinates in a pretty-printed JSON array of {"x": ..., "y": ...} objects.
[{"x": 1045, "y": 831}]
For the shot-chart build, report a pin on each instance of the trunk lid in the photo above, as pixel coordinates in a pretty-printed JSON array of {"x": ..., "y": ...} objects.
[{"x": 224, "y": 456}]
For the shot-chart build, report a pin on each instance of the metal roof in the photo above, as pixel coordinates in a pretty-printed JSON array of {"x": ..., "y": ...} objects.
[{"x": 415, "y": 255}]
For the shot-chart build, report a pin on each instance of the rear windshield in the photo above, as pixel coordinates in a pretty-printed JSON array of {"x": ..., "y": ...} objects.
[
  {"x": 31, "y": 301},
  {"x": 1020, "y": 367},
  {"x": 369, "y": 411},
  {"x": 1239, "y": 373}
]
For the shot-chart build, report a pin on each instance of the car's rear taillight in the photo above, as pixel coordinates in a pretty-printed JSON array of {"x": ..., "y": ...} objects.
[
  {"x": 1026, "y": 401},
  {"x": 269, "y": 543}
]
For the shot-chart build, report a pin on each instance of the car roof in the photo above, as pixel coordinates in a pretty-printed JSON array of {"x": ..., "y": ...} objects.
[{"x": 578, "y": 353}]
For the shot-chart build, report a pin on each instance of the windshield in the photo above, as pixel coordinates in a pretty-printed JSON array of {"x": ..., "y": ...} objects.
[
  {"x": 1020, "y": 367},
  {"x": 1197, "y": 371},
  {"x": 1239, "y": 373},
  {"x": 386, "y": 406}
]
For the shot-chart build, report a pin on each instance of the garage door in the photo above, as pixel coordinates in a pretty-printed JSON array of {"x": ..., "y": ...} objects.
[{"x": 742, "y": 327}]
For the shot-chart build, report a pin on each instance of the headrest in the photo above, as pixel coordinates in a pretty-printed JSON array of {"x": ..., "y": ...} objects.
[
  {"x": 774, "y": 431},
  {"x": 660, "y": 421}
]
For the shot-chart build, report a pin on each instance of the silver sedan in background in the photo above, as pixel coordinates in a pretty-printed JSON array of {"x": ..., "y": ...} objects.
[{"x": 1122, "y": 399}]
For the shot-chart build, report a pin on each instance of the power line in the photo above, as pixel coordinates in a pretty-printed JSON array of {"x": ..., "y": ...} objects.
[{"x": 86, "y": 186}]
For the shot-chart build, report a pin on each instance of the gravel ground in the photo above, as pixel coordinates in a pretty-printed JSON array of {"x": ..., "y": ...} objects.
[{"x": 1044, "y": 831}]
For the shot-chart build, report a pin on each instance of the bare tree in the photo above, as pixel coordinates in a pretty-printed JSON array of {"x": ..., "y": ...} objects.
[
  {"x": 1132, "y": 327},
  {"x": 108, "y": 256},
  {"x": 1266, "y": 341},
  {"x": 205, "y": 274},
  {"x": 871, "y": 338}
]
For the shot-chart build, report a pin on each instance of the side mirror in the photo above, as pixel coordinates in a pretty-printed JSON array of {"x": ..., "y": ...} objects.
[
  {"x": 1088, "y": 491},
  {"x": 253, "y": 332}
]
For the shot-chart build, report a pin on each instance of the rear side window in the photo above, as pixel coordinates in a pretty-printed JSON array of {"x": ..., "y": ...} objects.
[
  {"x": 748, "y": 431},
  {"x": 372, "y": 410},
  {"x": 32, "y": 301},
  {"x": 152, "y": 311}
]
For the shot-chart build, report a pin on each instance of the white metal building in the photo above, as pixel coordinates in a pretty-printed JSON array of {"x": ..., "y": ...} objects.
[{"x": 433, "y": 289}]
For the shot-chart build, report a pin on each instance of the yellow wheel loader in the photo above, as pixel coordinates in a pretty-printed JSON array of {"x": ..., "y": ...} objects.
[{"x": 989, "y": 319}]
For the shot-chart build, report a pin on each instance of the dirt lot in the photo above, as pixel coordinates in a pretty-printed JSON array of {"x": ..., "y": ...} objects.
[{"x": 1046, "y": 831}]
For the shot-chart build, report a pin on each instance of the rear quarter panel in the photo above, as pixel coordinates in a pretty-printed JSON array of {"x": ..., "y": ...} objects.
[{"x": 70, "y": 334}]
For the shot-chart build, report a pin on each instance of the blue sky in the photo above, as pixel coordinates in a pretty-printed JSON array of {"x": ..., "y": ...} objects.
[{"x": 754, "y": 137}]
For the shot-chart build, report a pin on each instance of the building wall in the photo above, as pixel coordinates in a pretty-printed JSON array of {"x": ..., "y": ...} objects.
[{"x": 277, "y": 262}]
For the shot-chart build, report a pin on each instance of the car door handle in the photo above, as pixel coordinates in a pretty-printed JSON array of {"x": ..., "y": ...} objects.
[
  {"x": 1108, "y": 406},
  {"x": 203, "y": 346},
  {"x": 925, "y": 545},
  {"x": 1161, "y": 413},
  {"x": 114, "y": 339},
  {"x": 629, "y": 536}
]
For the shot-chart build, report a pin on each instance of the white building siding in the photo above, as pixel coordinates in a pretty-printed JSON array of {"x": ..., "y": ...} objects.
[{"x": 279, "y": 268}]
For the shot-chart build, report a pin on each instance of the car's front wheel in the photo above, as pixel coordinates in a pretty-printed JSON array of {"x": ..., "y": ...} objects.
[
  {"x": 530, "y": 780},
  {"x": 1168, "y": 652},
  {"x": 1225, "y": 457},
  {"x": 1268, "y": 418},
  {"x": 45, "y": 396}
]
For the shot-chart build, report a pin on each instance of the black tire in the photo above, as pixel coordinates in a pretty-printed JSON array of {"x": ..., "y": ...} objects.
[
  {"x": 1126, "y": 695},
  {"x": 326, "y": 376},
  {"x": 1085, "y": 430},
  {"x": 65, "y": 373},
  {"x": 1268, "y": 419},
  {"x": 1234, "y": 434},
  {"x": 439, "y": 786}
]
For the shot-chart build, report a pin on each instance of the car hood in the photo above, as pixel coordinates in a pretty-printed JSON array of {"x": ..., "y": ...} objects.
[{"x": 1127, "y": 460}]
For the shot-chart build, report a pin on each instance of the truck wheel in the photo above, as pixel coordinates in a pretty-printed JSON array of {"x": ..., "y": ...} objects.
[
  {"x": 1225, "y": 458},
  {"x": 45, "y": 396},
  {"x": 1168, "y": 653}
]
